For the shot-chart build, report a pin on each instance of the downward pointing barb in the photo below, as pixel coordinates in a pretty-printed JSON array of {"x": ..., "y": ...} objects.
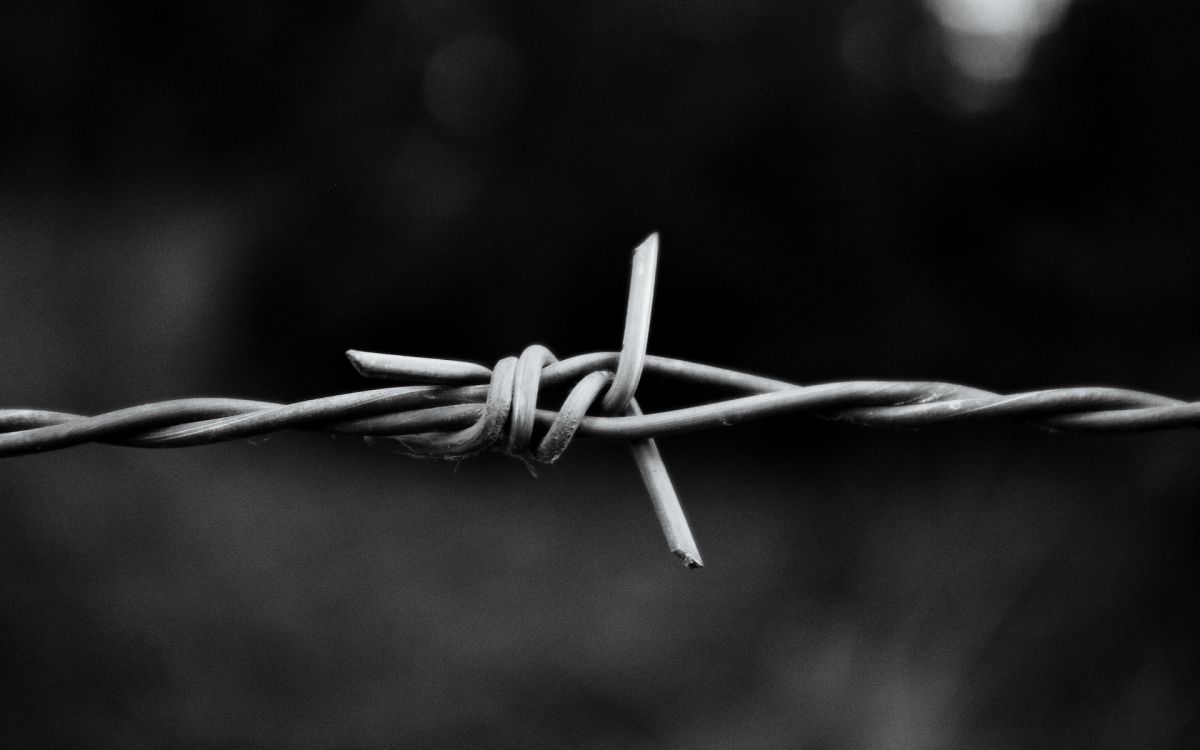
[{"x": 662, "y": 494}]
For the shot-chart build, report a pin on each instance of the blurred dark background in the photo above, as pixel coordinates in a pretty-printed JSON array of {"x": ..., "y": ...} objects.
[{"x": 218, "y": 199}]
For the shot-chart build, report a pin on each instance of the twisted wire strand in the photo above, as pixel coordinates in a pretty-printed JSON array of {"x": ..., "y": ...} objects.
[
  {"x": 452, "y": 409},
  {"x": 451, "y": 416}
]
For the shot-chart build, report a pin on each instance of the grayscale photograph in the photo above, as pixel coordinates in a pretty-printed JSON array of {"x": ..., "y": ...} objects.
[{"x": 659, "y": 375}]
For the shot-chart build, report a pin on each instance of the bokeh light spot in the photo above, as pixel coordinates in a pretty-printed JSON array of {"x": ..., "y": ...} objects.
[{"x": 988, "y": 42}]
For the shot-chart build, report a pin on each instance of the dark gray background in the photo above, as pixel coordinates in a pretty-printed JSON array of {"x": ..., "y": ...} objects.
[{"x": 217, "y": 199}]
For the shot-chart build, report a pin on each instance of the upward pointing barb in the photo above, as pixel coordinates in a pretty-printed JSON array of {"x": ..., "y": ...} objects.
[{"x": 637, "y": 327}]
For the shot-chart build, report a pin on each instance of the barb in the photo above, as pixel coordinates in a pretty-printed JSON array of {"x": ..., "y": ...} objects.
[
  {"x": 620, "y": 400},
  {"x": 460, "y": 409}
]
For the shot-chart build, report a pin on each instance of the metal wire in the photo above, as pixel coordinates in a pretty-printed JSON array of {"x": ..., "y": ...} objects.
[
  {"x": 420, "y": 419},
  {"x": 459, "y": 409}
]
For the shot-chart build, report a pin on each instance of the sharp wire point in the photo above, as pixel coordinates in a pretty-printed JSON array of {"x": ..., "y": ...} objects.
[{"x": 663, "y": 497}]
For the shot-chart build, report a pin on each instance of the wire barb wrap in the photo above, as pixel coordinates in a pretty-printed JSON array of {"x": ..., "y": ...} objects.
[{"x": 510, "y": 401}]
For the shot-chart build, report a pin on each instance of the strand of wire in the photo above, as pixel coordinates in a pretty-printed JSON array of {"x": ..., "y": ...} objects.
[{"x": 454, "y": 414}]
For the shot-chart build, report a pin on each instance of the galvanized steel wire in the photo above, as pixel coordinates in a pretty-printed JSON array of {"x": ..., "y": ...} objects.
[
  {"x": 458, "y": 409},
  {"x": 420, "y": 416}
]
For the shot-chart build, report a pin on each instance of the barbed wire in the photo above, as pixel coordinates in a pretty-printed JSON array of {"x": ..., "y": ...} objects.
[
  {"x": 459, "y": 409},
  {"x": 420, "y": 419}
]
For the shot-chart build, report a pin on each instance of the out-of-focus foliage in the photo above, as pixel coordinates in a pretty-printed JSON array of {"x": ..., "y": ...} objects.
[{"x": 204, "y": 199}]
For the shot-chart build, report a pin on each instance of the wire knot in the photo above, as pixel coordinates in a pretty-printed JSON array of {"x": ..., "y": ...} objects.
[
  {"x": 512, "y": 391},
  {"x": 508, "y": 415}
]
